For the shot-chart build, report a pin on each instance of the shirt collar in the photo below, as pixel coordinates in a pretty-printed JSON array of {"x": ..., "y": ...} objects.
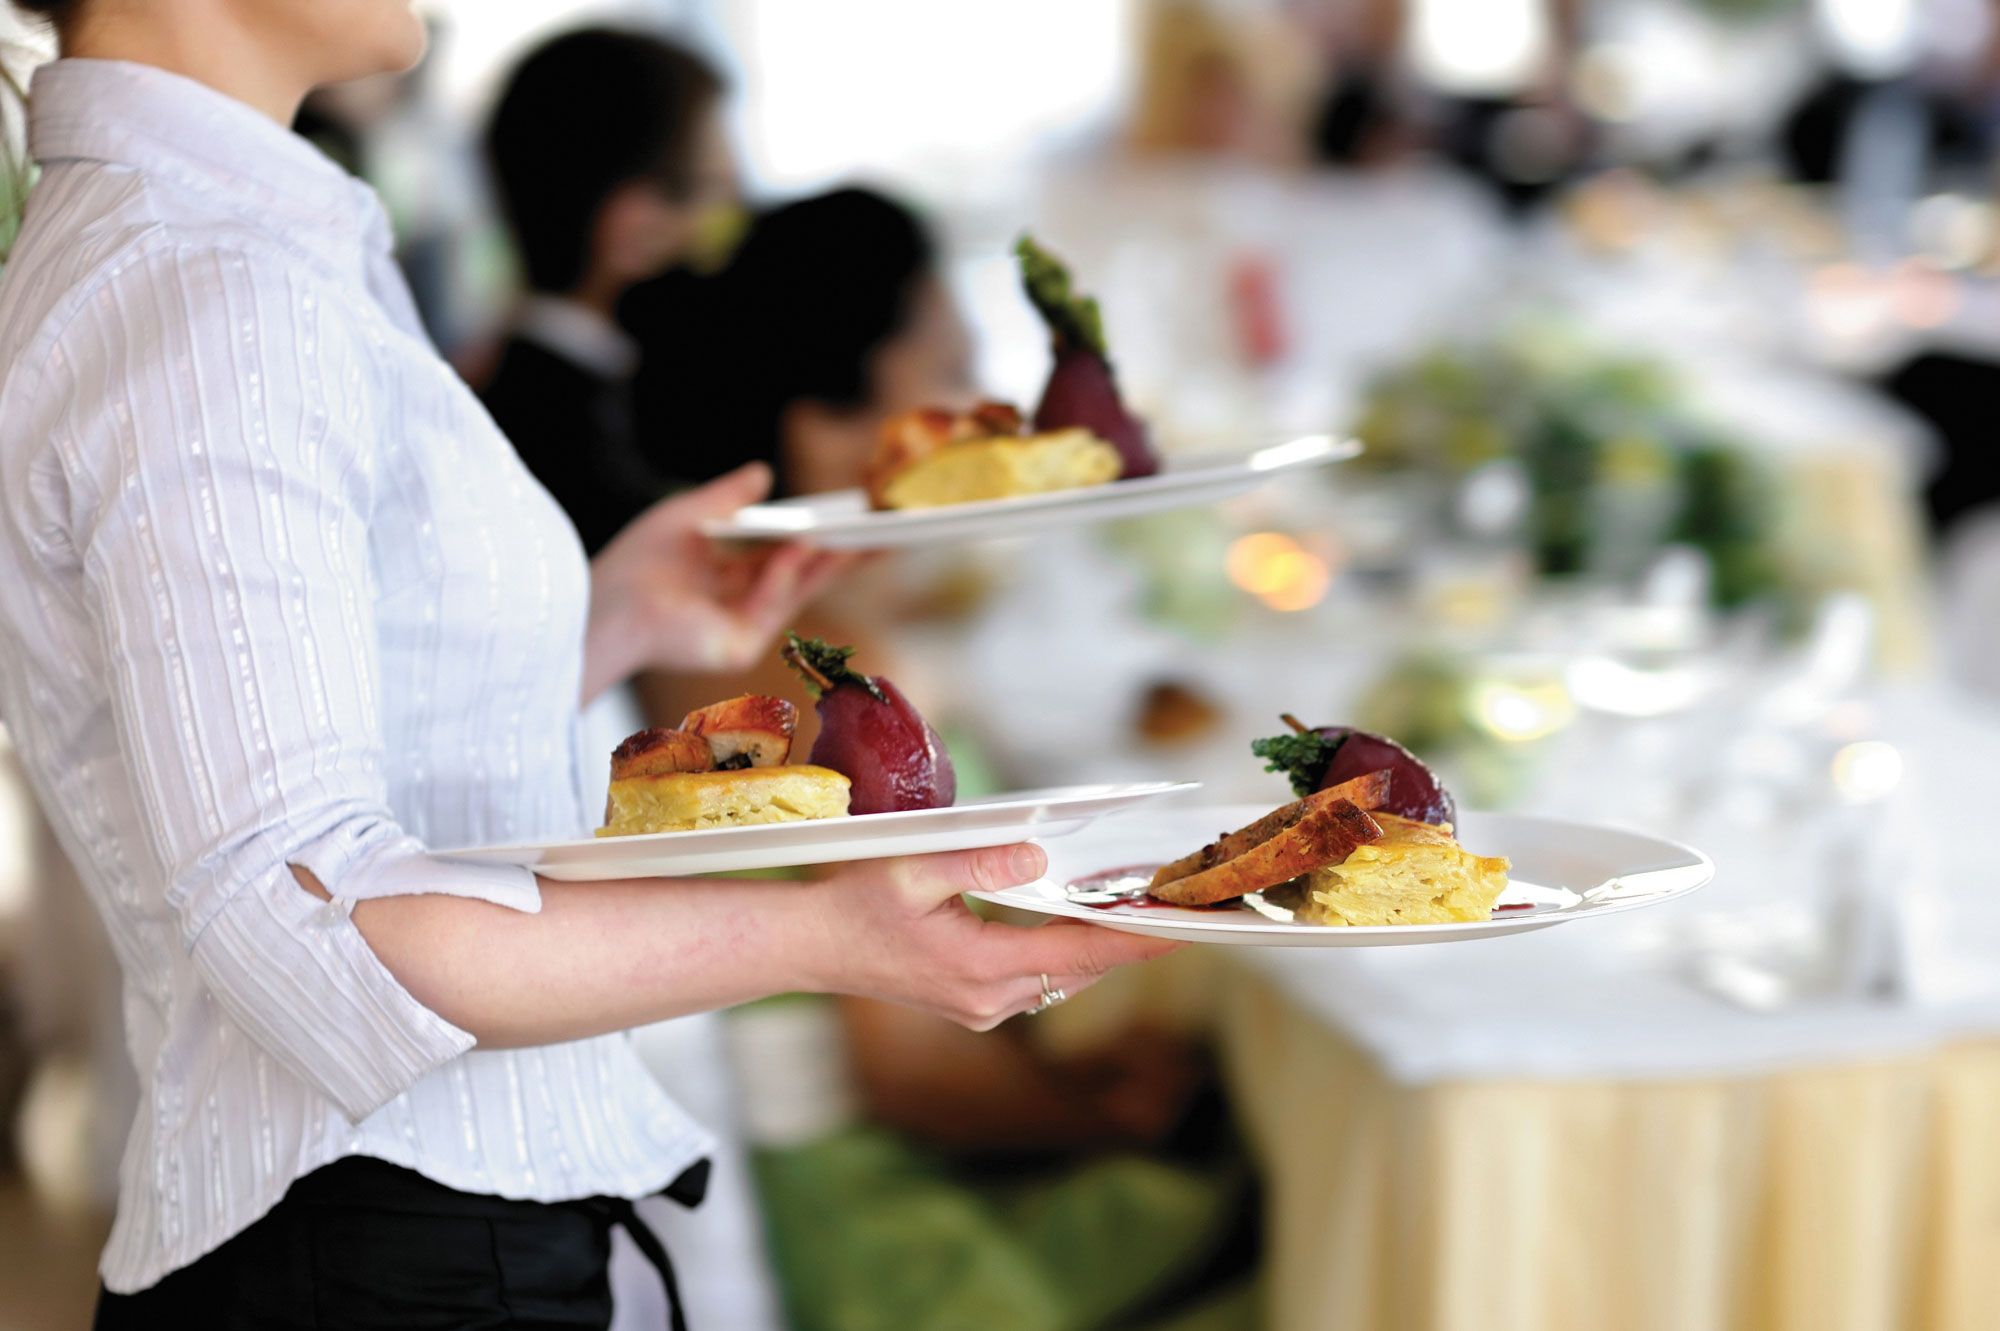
[
  {"x": 579, "y": 334},
  {"x": 165, "y": 125}
]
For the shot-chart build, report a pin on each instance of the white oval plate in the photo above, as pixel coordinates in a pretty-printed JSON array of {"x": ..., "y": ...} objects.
[
  {"x": 1562, "y": 871},
  {"x": 994, "y": 820},
  {"x": 842, "y": 520}
]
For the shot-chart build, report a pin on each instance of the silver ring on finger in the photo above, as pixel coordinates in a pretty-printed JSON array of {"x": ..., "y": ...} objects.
[{"x": 1050, "y": 997}]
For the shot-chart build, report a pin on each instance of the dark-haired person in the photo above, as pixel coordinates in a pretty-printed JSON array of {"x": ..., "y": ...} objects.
[
  {"x": 608, "y": 157},
  {"x": 608, "y": 152},
  {"x": 280, "y": 611},
  {"x": 830, "y": 317}
]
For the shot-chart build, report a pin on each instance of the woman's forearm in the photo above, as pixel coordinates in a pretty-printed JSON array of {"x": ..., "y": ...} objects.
[
  {"x": 603, "y": 957},
  {"x": 598, "y": 957}
]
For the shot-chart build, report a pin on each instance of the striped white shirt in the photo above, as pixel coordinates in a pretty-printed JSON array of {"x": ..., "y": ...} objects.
[{"x": 275, "y": 591}]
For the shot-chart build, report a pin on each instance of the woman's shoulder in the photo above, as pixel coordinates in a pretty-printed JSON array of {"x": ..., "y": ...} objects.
[
  {"x": 116, "y": 314},
  {"x": 97, "y": 237}
]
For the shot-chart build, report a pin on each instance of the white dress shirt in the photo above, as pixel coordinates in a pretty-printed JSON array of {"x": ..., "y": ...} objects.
[{"x": 274, "y": 591}]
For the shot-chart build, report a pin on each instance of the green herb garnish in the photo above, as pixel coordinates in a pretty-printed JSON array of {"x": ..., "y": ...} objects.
[
  {"x": 1072, "y": 318},
  {"x": 1303, "y": 756},
  {"x": 823, "y": 667}
]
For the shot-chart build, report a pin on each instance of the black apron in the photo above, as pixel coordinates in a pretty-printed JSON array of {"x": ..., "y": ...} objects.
[{"x": 362, "y": 1245}]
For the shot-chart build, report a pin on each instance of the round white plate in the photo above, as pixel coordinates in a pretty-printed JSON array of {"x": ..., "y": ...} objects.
[
  {"x": 995, "y": 820},
  {"x": 1562, "y": 871},
  {"x": 842, "y": 520}
]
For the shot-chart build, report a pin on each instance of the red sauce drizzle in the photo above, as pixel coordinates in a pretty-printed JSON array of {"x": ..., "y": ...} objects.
[{"x": 1105, "y": 877}]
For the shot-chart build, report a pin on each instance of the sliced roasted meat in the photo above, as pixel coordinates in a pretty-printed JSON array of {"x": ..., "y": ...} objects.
[
  {"x": 988, "y": 418},
  {"x": 1364, "y": 792},
  {"x": 751, "y": 731},
  {"x": 657, "y": 752},
  {"x": 1325, "y": 835}
]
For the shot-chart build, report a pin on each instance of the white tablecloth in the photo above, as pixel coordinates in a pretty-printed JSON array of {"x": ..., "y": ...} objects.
[
  {"x": 1908, "y": 968},
  {"x": 1896, "y": 902}
]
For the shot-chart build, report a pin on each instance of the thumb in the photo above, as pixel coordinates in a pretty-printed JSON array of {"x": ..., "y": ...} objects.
[
  {"x": 727, "y": 492},
  {"x": 928, "y": 880}
]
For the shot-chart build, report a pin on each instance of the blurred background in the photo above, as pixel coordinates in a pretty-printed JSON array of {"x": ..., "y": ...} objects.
[{"x": 1672, "y": 329}]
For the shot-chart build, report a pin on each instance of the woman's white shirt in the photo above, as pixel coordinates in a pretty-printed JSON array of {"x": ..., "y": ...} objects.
[{"x": 275, "y": 591}]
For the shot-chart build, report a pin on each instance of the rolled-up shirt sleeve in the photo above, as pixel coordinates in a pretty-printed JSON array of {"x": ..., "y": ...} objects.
[{"x": 219, "y": 506}]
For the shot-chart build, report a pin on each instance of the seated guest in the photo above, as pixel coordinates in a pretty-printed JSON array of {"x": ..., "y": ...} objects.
[
  {"x": 609, "y": 156},
  {"x": 830, "y": 317}
]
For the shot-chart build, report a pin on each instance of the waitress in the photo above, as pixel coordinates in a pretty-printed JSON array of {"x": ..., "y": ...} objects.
[{"x": 280, "y": 609}]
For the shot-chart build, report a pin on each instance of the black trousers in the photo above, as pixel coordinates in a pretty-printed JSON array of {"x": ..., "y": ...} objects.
[{"x": 361, "y": 1244}]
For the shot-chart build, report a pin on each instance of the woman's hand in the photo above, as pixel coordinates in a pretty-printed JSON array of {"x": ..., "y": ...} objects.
[
  {"x": 664, "y": 596},
  {"x": 896, "y": 930}
]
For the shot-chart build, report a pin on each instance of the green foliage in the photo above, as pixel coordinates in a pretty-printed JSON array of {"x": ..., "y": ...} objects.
[
  {"x": 1561, "y": 457},
  {"x": 14, "y": 184},
  {"x": 1181, "y": 557},
  {"x": 1302, "y": 757},
  {"x": 1616, "y": 465},
  {"x": 1727, "y": 507},
  {"x": 1072, "y": 318},
  {"x": 17, "y": 174}
]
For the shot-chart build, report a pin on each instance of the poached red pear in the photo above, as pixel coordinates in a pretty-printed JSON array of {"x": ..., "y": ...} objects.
[
  {"x": 1316, "y": 758},
  {"x": 1082, "y": 391},
  {"x": 870, "y": 733}
]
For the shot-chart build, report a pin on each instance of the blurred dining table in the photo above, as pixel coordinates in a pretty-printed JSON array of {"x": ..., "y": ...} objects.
[
  {"x": 1826, "y": 1191},
  {"x": 1772, "y": 1107},
  {"x": 1775, "y": 1105}
]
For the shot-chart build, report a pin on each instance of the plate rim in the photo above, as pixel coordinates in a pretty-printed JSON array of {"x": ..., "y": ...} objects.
[
  {"x": 1251, "y": 925},
  {"x": 1336, "y": 447},
  {"x": 719, "y": 837}
]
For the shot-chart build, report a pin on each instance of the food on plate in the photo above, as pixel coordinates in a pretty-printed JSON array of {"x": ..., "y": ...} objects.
[
  {"x": 689, "y": 801},
  {"x": 751, "y": 731},
  {"x": 1082, "y": 390},
  {"x": 1317, "y": 758},
  {"x": 729, "y": 764},
  {"x": 724, "y": 766},
  {"x": 869, "y": 731},
  {"x": 1326, "y": 834},
  {"x": 1364, "y": 793},
  {"x": 1414, "y": 873},
  {"x": 932, "y": 457},
  {"x": 1369, "y": 841},
  {"x": 913, "y": 436},
  {"x": 659, "y": 752}
]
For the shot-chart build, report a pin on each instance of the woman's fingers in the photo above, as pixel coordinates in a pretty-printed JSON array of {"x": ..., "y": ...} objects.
[
  {"x": 680, "y": 516},
  {"x": 726, "y": 493},
  {"x": 942, "y": 958},
  {"x": 1096, "y": 957},
  {"x": 788, "y": 581},
  {"x": 927, "y": 881},
  {"x": 1078, "y": 952}
]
